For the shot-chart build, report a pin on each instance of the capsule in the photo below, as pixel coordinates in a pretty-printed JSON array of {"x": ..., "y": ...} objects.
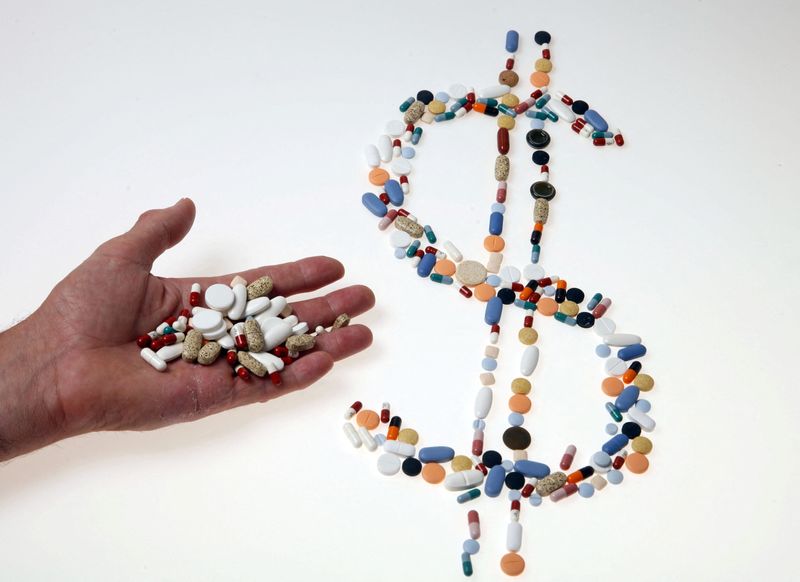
[
  {"x": 536, "y": 233},
  {"x": 567, "y": 490},
  {"x": 385, "y": 412},
  {"x": 406, "y": 104},
  {"x": 466, "y": 564},
  {"x": 506, "y": 110},
  {"x": 594, "y": 301},
  {"x": 443, "y": 279},
  {"x": 477, "y": 442},
  {"x": 509, "y": 63},
  {"x": 615, "y": 444},
  {"x": 412, "y": 249},
  {"x": 465, "y": 291},
  {"x": 601, "y": 308},
  {"x": 603, "y": 141},
  {"x": 275, "y": 377},
  {"x": 416, "y": 135},
  {"x": 355, "y": 407},
  {"x": 614, "y": 411},
  {"x": 631, "y": 373},
  {"x": 523, "y": 106},
  {"x": 231, "y": 358},
  {"x": 619, "y": 460},
  {"x": 536, "y": 251},
  {"x": 242, "y": 372},
  {"x": 469, "y": 495},
  {"x": 580, "y": 475},
  {"x": 527, "y": 491},
  {"x": 194, "y": 296},
  {"x": 429, "y": 234},
  {"x": 352, "y": 435},
  {"x": 568, "y": 457},
  {"x": 474, "y": 523},
  {"x": 394, "y": 428},
  {"x": 502, "y": 140},
  {"x": 619, "y": 140},
  {"x": 239, "y": 337},
  {"x": 397, "y": 148},
  {"x": 143, "y": 341}
]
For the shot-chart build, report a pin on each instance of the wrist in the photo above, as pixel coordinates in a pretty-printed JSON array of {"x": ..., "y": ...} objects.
[{"x": 30, "y": 410}]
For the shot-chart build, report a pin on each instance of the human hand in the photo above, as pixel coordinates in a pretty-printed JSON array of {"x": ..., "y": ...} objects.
[{"x": 72, "y": 367}]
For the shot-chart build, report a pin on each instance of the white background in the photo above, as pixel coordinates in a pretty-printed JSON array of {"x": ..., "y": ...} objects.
[{"x": 259, "y": 112}]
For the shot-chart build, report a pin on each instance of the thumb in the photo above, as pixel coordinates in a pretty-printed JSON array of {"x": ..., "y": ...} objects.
[{"x": 154, "y": 232}]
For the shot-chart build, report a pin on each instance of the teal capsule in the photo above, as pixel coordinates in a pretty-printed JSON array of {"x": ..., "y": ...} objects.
[
  {"x": 458, "y": 104},
  {"x": 536, "y": 114},
  {"x": 469, "y": 495},
  {"x": 505, "y": 109},
  {"x": 614, "y": 411},
  {"x": 488, "y": 101},
  {"x": 535, "y": 251},
  {"x": 443, "y": 279},
  {"x": 603, "y": 134},
  {"x": 169, "y": 329},
  {"x": 446, "y": 116},
  {"x": 564, "y": 318},
  {"x": 412, "y": 249},
  {"x": 542, "y": 101},
  {"x": 406, "y": 104},
  {"x": 551, "y": 115},
  {"x": 594, "y": 301},
  {"x": 529, "y": 305},
  {"x": 466, "y": 564},
  {"x": 416, "y": 135},
  {"x": 429, "y": 234}
]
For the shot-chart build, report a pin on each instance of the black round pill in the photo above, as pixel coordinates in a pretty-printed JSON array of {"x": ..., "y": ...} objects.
[
  {"x": 585, "y": 319},
  {"x": 540, "y": 158},
  {"x": 515, "y": 480},
  {"x": 575, "y": 294},
  {"x": 516, "y": 438},
  {"x": 631, "y": 430},
  {"x": 537, "y": 138},
  {"x": 425, "y": 96},
  {"x": 580, "y": 107},
  {"x": 491, "y": 458},
  {"x": 412, "y": 467},
  {"x": 507, "y": 296},
  {"x": 543, "y": 190},
  {"x": 542, "y": 37}
]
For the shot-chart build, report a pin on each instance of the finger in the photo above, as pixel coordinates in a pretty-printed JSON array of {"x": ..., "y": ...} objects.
[
  {"x": 154, "y": 232},
  {"x": 291, "y": 278},
  {"x": 353, "y": 300},
  {"x": 342, "y": 343}
]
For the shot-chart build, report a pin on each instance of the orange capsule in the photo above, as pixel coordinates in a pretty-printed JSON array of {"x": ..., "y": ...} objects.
[
  {"x": 580, "y": 475},
  {"x": 480, "y": 107},
  {"x": 631, "y": 373},
  {"x": 394, "y": 428}
]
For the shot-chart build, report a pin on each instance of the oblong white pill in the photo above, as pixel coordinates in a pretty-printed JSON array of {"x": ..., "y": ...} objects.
[
  {"x": 151, "y": 358},
  {"x": 514, "y": 536},
  {"x": 216, "y": 334},
  {"x": 276, "y": 335},
  {"x": 272, "y": 362},
  {"x": 219, "y": 297},
  {"x": 493, "y": 91},
  {"x": 619, "y": 340},
  {"x": 366, "y": 438},
  {"x": 562, "y": 110},
  {"x": 169, "y": 353},
  {"x": 276, "y": 306},
  {"x": 399, "y": 239},
  {"x": 300, "y": 328},
  {"x": 399, "y": 448},
  {"x": 642, "y": 418},
  {"x": 452, "y": 252},
  {"x": 256, "y": 306},
  {"x": 401, "y": 167},
  {"x": 239, "y": 302},
  {"x": 462, "y": 480},
  {"x": 388, "y": 464},
  {"x": 385, "y": 148},
  {"x": 529, "y": 360},
  {"x": 352, "y": 435},
  {"x": 483, "y": 402},
  {"x": 372, "y": 156}
]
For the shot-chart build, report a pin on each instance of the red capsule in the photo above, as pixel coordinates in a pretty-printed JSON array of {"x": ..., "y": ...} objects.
[
  {"x": 545, "y": 282},
  {"x": 477, "y": 442},
  {"x": 186, "y": 313},
  {"x": 501, "y": 195},
  {"x": 404, "y": 179},
  {"x": 465, "y": 291},
  {"x": 385, "y": 413},
  {"x": 618, "y": 462},
  {"x": 580, "y": 121},
  {"x": 603, "y": 141},
  {"x": 509, "y": 64},
  {"x": 568, "y": 457},
  {"x": 495, "y": 329},
  {"x": 419, "y": 253},
  {"x": 523, "y": 106},
  {"x": 402, "y": 212},
  {"x": 536, "y": 94},
  {"x": 567, "y": 100},
  {"x": 515, "y": 505},
  {"x": 231, "y": 358},
  {"x": 171, "y": 321},
  {"x": 528, "y": 322},
  {"x": 410, "y": 127},
  {"x": 275, "y": 378},
  {"x": 545, "y": 169},
  {"x": 546, "y": 53},
  {"x": 156, "y": 344},
  {"x": 527, "y": 491},
  {"x": 194, "y": 298},
  {"x": 534, "y": 297},
  {"x": 242, "y": 372},
  {"x": 517, "y": 287},
  {"x": 576, "y": 127},
  {"x": 502, "y": 140},
  {"x": 619, "y": 139},
  {"x": 384, "y": 198},
  {"x": 431, "y": 250},
  {"x": 471, "y": 97},
  {"x": 287, "y": 360},
  {"x": 482, "y": 468},
  {"x": 601, "y": 308},
  {"x": 143, "y": 341},
  {"x": 169, "y": 339},
  {"x": 239, "y": 338},
  {"x": 468, "y": 106},
  {"x": 280, "y": 351}
]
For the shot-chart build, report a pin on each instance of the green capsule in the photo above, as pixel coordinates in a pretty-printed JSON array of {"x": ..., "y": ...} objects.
[
  {"x": 412, "y": 249},
  {"x": 443, "y": 279},
  {"x": 529, "y": 305},
  {"x": 505, "y": 109},
  {"x": 466, "y": 564},
  {"x": 429, "y": 234},
  {"x": 406, "y": 104},
  {"x": 446, "y": 116},
  {"x": 488, "y": 101},
  {"x": 469, "y": 495},
  {"x": 603, "y": 134},
  {"x": 551, "y": 115},
  {"x": 416, "y": 135},
  {"x": 614, "y": 411},
  {"x": 542, "y": 101}
]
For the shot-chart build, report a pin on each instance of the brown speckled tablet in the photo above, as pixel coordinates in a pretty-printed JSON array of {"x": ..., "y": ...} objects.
[
  {"x": 407, "y": 225},
  {"x": 343, "y": 320},
  {"x": 249, "y": 362},
  {"x": 191, "y": 345},
  {"x": 259, "y": 287},
  {"x": 300, "y": 343},
  {"x": 501, "y": 167},
  {"x": 255, "y": 337},
  {"x": 550, "y": 483},
  {"x": 208, "y": 353}
]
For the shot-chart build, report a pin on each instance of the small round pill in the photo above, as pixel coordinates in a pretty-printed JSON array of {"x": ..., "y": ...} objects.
[
  {"x": 601, "y": 459},
  {"x": 512, "y": 564},
  {"x": 528, "y": 336},
  {"x": 520, "y": 386},
  {"x": 436, "y": 107},
  {"x": 378, "y": 176},
  {"x": 514, "y": 495},
  {"x": 489, "y": 364},
  {"x": 611, "y": 428},
  {"x": 642, "y": 444},
  {"x": 445, "y": 267},
  {"x": 580, "y": 107},
  {"x": 541, "y": 37},
  {"x": 471, "y": 547},
  {"x": 491, "y": 458},
  {"x": 507, "y": 296},
  {"x": 509, "y": 99},
  {"x": 506, "y": 121},
  {"x": 535, "y": 500},
  {"x": 515, "y": 480},
  {"x": 425, "y": 96},
  {"x": 631, "y": 430},
  {"x": 643, "y": 405},
  {"x": 442, "y": 96},
  {"x": 585, "y": 490},
  {"x": 368, "y": 418},
  {"x": 507, "y": 464},
  {"x": 408, "y": 435},
  {"x": 540, "y": 79},
  {"x": 412, "y": 467},
  {"x": 540, "y": 158},
  {"x": 602, "y": 350},
  {"x": 547, "y": 306},
  {"x": 388, "y": 464},
  {"x": 614, "y": 477},
  {"x": 585, "y": 319},
  {"x": 544, "y": 65},
  {"x": 433, "y": 473},
  {"x": 612, "y": 386},
  {"x": 516, "y": 419},
  {"x": 569, "y": 308},
  {"x": 637, "y": 463},
  {"x": 519, "y": 403},
  {"x": 644, "y": 382},
  {"x": 575, "y": 294},
  {"x": 509, "y": 78}
]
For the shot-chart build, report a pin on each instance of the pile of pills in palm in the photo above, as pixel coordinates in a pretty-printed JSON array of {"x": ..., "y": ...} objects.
[
  {"x": 259, "y": 334},
  {"x": 474, "y": 471}
]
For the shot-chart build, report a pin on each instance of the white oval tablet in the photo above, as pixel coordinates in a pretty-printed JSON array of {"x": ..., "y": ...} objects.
[
  {"x": 256, "y": 306},
  {"x": 461, "y": 480},
  {"x": 239, "y": 301},
  {"x": 483, "y": 402},
  {"x": 620, "y": 340},
  {"x": 372, "y": 155},
  {"x": 169, "y": 353},
  {"x": 385, "y": 147},
  {"x": 395, "y": 127},
  {"x": 514, "y": 536},
  {"x": 216, "y": 334},
  {"x": 270, "y": 361},
  {"x": 604, "y": 326},
  {"x": 510, "y": 273},
  {"x": 276, "y": 335},
  {"x": 220, "y": 297},
  {"x": 226, "y": 342},
  {"x": 399, "y": 448},
  {"x": 401, "y": 167},
  {"x": 532, "y": 271},
  {"x": 529, "y": 361},
  {"x": 641, "y": 418},
  {"x": 399, "y": 239},
  {"x": 276, "y": 307},
  {"x": 494, "y": 91},
  {"x": 561, "y": 109},
  {"x": 206, "y": 319},
  {"x": 388, "y": 464}
]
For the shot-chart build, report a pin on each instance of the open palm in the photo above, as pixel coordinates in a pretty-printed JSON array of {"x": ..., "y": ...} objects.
[{"x": 96, "y": 378}]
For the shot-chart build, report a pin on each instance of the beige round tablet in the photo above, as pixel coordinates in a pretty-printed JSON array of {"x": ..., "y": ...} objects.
[
  {"x": 543, "y": 65},
  {"x": 644, "y": 382},
  {"x": 506, "y": 121},
  {"x": 461, "y": 463},
  {"x": 470, "y": 273},
  {"x": 510, "y": 100},
  {"x": 436, "y": 107},
  {"x": 569, "y": 308},
  {"x": 528, "y": 336},
  {"x": 520, "y": 385},
  {"x": 408, "y": 435},
  {"x": 512, "y": 564},
  {"x": 642, "y": 444},
  {"x": 368, "y": 419},
  {"x": 433, "y": 473}
]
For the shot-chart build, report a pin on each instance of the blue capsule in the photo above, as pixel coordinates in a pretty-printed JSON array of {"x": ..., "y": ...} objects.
[
  {"x": 615, "y": 444},
  {"x": 542, "y": 101},
  {"x": 446, "y": 116},
  {"x": 536, "y": 114},
  {"x": 631, "y": 352},
  {"x": 535, "y": 251},
  {"x": 429, "y": 234},
  {"x": 394, "y": 191},
  {"x": 594, "y": 301},
  {"x": 494, "y": 481},
  {"x": 512, "y": 41},
  {"x": 374, "y": 204},
  {"x": 406, "y": 104},
  {"x": 443, "y": 279},
  {"x": 495, "y": 223},
  {"x": 627, "y": 398},
  {"x": 416, "y": 135},
  {"x": 468, "y": 495},
  {"x": 436, "y": 454},
  {"x": 426, "y": 264},
  {"x": 494, "y": 309},
  {"x": 596, "y": 120},
  {"x": 532, "y": 469}
]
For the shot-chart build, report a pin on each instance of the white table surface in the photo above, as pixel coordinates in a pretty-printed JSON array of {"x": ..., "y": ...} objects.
[{"x": 259, "y": 111}]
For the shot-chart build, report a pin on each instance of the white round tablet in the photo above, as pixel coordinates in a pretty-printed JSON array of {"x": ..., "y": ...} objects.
[
  {"x": 399, "y": 239},
  {"x": 395, "y": 128},
  {"x": 510, "y": 273},
  {"x": 388, "y": 464},
  {"x": 604, "y": 326},
  {"x": 206, "y": 319},
  {"x": 457, "y": 91},
  {"x": 220, "y": 297},
  {"x": 616, "y": 366},
  {"x": 401, "y": 167},
  {"x": 532, "y": 271}
]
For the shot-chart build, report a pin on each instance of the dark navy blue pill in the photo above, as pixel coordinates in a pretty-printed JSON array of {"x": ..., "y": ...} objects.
[
  {"x": 507, "y": 296},
  {"x": 540, "y": 158},
  {"x": 491, "y": 458},
  {"x": 537, "y": 138},
  {"x": 580, "y": 107},
  {"x": 585, "y": 319},
  {"x": 543, "y": 190},
  {"x": 425, "y": 96},
  {"x": 542, "y": 37},
  {"x": 515, "y": 480},
  {"x": 412, "y": 467},
  {"x": 575, "y": 295},
  {"x": 631, "y": 430}
]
